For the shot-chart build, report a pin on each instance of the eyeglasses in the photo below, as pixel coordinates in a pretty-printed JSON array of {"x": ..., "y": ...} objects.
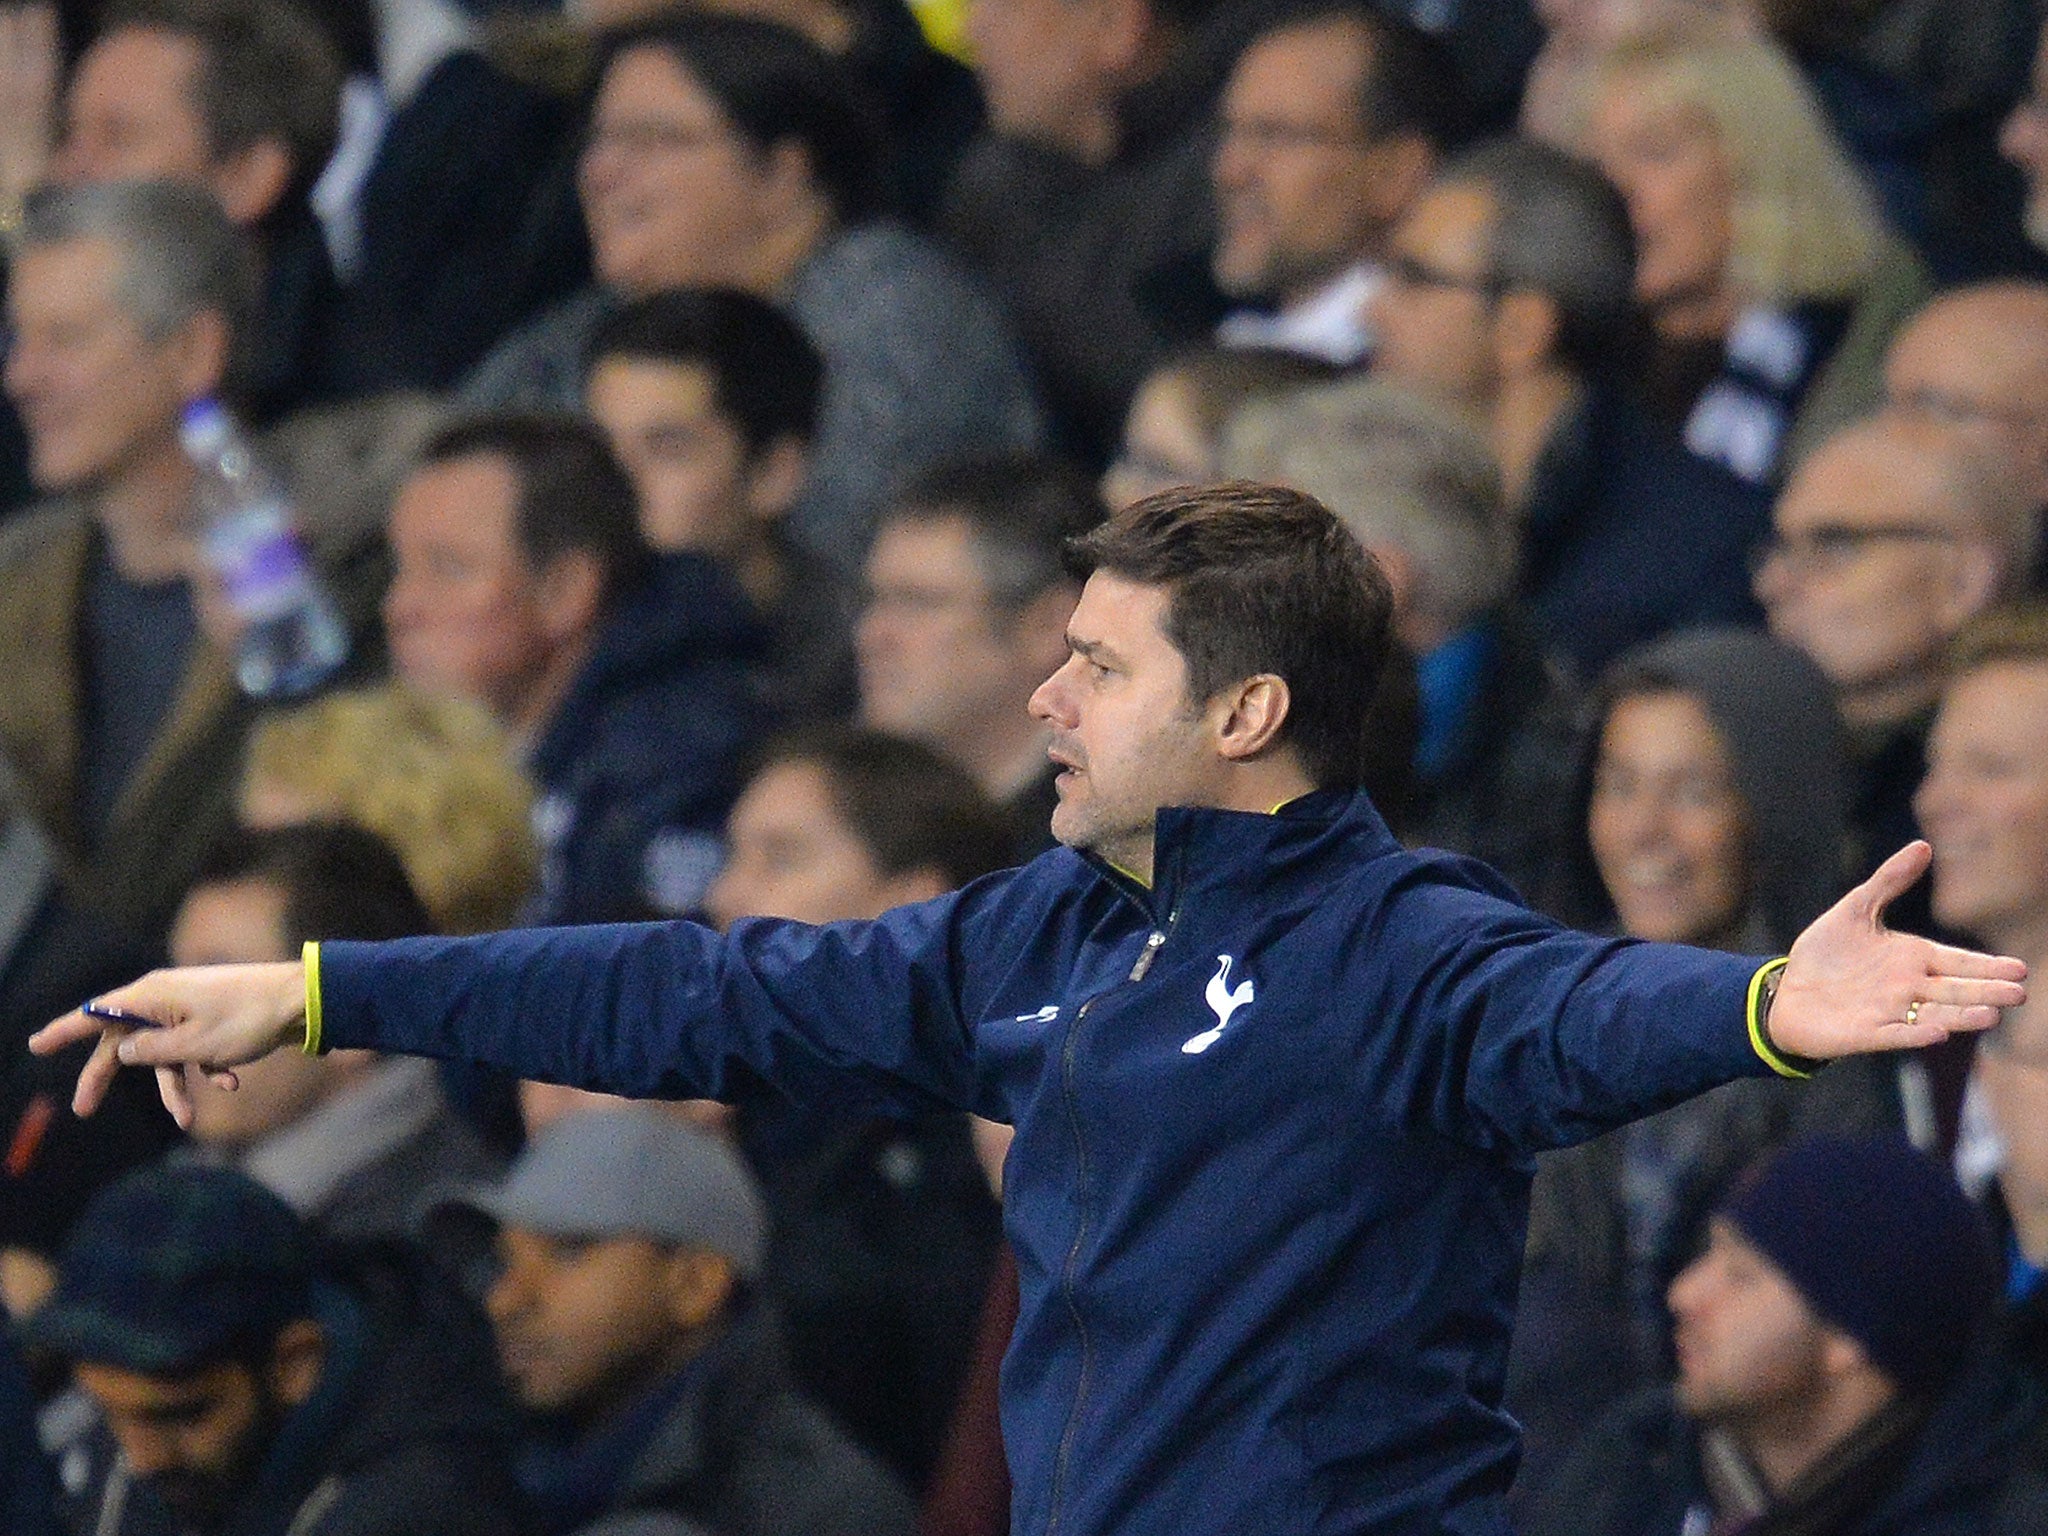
[
  {"x": 1409, "y": 272},
  {"x": 1834, "y": 545},
  {"x": 1959, "y": 410},
  {"x": 653, "y": 138},
  {"x": 1263, "y": 134}
]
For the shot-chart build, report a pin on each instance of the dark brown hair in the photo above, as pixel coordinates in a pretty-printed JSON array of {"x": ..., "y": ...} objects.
[
  {"x": 1262, "y": 579},
  {"x": 910, "y": 807}
]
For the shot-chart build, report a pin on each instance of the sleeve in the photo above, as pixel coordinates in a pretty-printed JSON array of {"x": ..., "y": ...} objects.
[
  {"x": 1520, "y": 1035},
  {"x": 865, "y": 1017}
]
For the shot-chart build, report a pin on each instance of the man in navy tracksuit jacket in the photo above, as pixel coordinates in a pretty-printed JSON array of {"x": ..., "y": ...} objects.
[{"x": 1275, "y": 1081}]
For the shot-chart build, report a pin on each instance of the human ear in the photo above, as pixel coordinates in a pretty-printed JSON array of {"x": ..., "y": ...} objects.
[
  {"x": 251, "y": 181},
  {"x": 571, "y": 594},
  {"x": 1525, "y": 331},
  {"x": 1248, "y": 718},
  {"x": 696, "y": 1286},
  {"x": 297, "y": 1356},
  {"x": 775, "y": 478},
  {"x": 1975, "y": 573}
]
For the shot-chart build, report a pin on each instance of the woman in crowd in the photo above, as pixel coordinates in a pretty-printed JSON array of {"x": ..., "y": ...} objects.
[
  {"x": 1771, "y": 280},
  {"x": 1711, "y": 810}
]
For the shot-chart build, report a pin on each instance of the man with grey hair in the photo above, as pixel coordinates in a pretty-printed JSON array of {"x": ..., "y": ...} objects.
[
  {"x": 1976, "y": 359},
  {"x": 1889, "y": 538},
  {"x": 1509, "y": 295},
  {"x": 1415, "y": 483},
  {"x": 118, "y": 711},
  {"x": 628, "y": 1314}
]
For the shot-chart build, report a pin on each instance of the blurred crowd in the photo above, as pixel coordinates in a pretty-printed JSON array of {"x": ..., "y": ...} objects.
[{"x": 683, "y": 409}]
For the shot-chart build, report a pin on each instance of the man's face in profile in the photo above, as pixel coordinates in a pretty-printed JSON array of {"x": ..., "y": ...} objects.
[{"x": 197, "y": 1440}]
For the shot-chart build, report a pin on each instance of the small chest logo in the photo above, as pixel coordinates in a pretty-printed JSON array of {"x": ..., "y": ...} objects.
[{"x": 1224, "y": 1000}]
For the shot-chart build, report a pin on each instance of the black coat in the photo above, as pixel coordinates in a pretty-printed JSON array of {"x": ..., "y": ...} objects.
[{"x": 740, "y": 1453}]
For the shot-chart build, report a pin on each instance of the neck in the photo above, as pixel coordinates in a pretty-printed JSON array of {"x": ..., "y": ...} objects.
[
  {"x": 1525, "y": 418},
  {"x": 1877, "y": 706},
  {"x": 1695, "y": 315},
  {"x": 1258, "y": 787},
  {"x": 527, "y": 717},
  {"x": 147, "y": 514},
  {"x": 1004, "y": 760},
  {"x": 773, "y": 264},
  {"x": 1788, "y": 1441},
  {"x": 759, "y": 571}
]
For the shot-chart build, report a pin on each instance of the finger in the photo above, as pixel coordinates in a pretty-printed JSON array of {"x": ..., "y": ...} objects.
[
  {"x": 1953, "y": 1019},
  {"x": 170, "y": 1087},
  {"x": 67, "y": 1031},
  {"x": 1947, "y": 960},
  {"x": 1964, "y": 992},
  {"x": 175, "y": 1047},
  {"x": 97, "y": 1075},
  {"x": 1891, "y": 879}
]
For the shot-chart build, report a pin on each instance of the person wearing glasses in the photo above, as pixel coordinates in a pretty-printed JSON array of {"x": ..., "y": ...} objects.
[
  {"x": 1508, "y": 293},
  {"x": 1887, "y": 541},
  {"x": 1331, "y": 125}
]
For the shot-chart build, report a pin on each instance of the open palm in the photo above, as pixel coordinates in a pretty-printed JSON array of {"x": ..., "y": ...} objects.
[{"x": 1852, "y": 985}]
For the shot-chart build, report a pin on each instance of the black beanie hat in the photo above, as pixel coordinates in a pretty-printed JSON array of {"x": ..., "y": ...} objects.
[{"x": 1882, "y": 1244}]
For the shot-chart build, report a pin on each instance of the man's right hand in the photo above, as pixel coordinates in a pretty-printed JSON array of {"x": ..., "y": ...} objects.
[{"x": 212, "y": 1018}]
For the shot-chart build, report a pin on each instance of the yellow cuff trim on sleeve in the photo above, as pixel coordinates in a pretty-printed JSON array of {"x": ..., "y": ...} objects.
[
  {"x": 310, "y": 955},
  {"x": 1759, "y": 1036}
]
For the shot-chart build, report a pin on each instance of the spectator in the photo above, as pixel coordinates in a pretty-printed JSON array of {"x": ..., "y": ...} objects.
[
  {"x": 118, "y": 711},
  {"x": 1888, "y": 540},
  {"x": 361, "y": 1148},
  {"x": 1509, "y": 295},
  {"x": 1710, "y": 807},
  {"x": 436, "y": 778},
  {"x": 2025, "y": 143},
  {"x": 1086, "y": 205},
  {"x": 1977, "y": 359},
  {"x": 1772, "y": 283},
  {"x": 1174, "y": 434},
  {"x": 1827, "y": 1377},
  {"x": 242, "y": 98},
  {"x": 1330, "y": 127},
  {"x": 931, "y": 106},
  {"x": 710, "y": 399},
  {"x": 520, "y": 582},
  {"x": 882, "y": 1232},
  {"x": 967, "y": 608},
  {"x": 728, "y": 152},
  {"x": 1417, "y": 487},
  {"x": 628, "y": 1312},
  {"x": 1984, "y": 804},
  {"x": 28, "y": 1487},
  {"x": 243, "y": 1384},
  {"x": 449, "y": 209}
]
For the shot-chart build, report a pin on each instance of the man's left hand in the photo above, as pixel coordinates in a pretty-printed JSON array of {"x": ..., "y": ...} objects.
[{"x": 1851, "y": 985}]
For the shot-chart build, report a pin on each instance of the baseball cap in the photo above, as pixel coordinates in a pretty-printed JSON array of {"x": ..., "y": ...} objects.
[
  {"x": 633, "y": 1172},
  {"x": 171, "y": 1267}
]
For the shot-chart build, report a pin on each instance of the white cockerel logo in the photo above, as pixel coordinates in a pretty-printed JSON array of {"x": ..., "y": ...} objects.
[{"x": 1223, "y": 1000}]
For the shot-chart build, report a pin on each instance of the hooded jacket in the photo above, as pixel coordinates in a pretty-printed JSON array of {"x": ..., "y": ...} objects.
[
  {"x": 1273, "y": 1119},
  {"x": 643, "y": 757}
]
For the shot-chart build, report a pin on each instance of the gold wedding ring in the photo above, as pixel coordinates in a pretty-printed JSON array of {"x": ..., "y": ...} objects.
[{"x": 1912, "y": 1013}]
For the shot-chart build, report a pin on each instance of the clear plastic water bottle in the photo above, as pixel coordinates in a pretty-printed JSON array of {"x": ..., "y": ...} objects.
[{"x": 293, "y": 637}]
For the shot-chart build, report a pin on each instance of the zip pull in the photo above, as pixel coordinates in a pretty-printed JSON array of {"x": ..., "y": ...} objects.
[{"x": 1153, "y": 940}]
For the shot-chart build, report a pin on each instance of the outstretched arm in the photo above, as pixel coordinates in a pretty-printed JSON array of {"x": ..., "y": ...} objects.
[{"x": 1851, "y": 985}]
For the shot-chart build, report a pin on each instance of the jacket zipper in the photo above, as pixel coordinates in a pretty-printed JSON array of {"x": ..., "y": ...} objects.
[{"x": 1153, "y": 941}]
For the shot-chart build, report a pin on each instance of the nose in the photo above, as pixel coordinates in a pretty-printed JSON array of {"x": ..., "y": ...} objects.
[
  {"x": 1050, "y": 701},
  {"x": 1689, "y": 1289},
  {"x": 2019, "y": 140},
  {"x": 148, "y": 1451}
]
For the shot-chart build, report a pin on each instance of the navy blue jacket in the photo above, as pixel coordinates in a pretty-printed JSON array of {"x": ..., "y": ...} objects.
[
  {"x": 645, "y": 755},
  {"x": 1267, "y": 1281}
]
